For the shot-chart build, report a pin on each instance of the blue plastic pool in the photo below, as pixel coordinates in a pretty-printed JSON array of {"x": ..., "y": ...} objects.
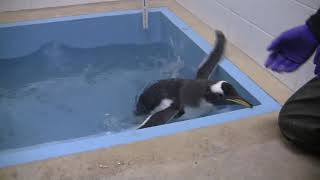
[{"x": 69, "y": 84}]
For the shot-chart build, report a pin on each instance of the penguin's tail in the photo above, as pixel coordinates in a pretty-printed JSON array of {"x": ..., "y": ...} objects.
[{"x": 210, "y": 63}]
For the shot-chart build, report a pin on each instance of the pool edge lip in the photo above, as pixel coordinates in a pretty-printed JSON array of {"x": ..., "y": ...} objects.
[
  {"x": 94, "y": 142},
  {"x": 90, "y": 143},
  {"x": 78, "y": 17}
]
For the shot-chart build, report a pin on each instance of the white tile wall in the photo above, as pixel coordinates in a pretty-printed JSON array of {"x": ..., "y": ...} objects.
[
  {"x": 12, "y": 5},
  {"x": 314, "y": 4},
  {"x": 252, "y": 24},
  {"x": 273, "y": 16},
  {"x": 55, "y": 3}
]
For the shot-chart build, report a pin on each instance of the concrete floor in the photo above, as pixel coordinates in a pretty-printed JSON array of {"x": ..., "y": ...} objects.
[{"x": 246, "y": 149}]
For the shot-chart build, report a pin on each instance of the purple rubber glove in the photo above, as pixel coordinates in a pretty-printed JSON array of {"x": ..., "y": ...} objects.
[
  {"x": 317, "y": 62},
  {"x": 291, "y": 49}
]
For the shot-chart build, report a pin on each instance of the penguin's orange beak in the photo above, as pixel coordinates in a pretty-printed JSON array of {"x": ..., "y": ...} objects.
[{"x": 240, "y": 101}]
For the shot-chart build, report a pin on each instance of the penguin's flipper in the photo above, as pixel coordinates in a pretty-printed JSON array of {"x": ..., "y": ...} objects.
[
  {"x": 160, "y": 117},
  {"x": 210, "y": 63}
]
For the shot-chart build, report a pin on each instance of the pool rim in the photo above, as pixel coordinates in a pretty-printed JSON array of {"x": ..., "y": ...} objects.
[{"x": 48, "y": 150}]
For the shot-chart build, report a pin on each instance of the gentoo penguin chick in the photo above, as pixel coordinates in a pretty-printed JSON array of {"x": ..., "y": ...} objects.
[{"x": 169, "y": 98}]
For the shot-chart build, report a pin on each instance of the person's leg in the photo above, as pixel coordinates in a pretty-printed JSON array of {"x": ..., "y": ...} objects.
[{"x": 299, "y": 118}]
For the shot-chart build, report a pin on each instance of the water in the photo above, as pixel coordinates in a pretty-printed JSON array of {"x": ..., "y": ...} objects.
[{"x": 61, "y": 92}]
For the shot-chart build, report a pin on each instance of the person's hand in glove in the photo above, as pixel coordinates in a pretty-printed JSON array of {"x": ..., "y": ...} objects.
[{"x": 291, "y": 49}]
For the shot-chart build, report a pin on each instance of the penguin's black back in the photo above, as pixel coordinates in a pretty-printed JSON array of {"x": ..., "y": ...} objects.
[
  {"x": 181, "y": 91},
  {"x": 154, "y": 94}
]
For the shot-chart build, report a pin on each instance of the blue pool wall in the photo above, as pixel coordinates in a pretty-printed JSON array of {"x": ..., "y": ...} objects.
[
  {"x": 56, "y": 149},
  {"x": 20, "y": 39}
]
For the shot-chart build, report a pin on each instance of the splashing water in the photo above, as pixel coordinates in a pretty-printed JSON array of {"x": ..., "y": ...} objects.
[{"x": 61, "y": 92}]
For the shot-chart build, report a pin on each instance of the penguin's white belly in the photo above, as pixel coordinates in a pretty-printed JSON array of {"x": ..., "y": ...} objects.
[{"x": 196, "y": 112}]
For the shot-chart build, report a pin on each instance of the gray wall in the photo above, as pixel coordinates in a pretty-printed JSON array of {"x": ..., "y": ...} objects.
[{"x": 11, "y": 5}]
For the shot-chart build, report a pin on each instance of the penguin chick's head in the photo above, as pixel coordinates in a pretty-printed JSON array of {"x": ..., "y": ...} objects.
[{"x": 222, "y": 92}]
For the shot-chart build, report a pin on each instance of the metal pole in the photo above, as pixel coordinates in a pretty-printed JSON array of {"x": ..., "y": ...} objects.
[{"x": 145, "y": 18}]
